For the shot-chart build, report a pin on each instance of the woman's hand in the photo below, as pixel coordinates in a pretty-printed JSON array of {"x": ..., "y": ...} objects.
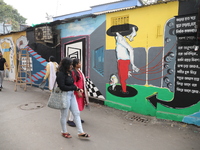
[{"x": 79, "y": 94}]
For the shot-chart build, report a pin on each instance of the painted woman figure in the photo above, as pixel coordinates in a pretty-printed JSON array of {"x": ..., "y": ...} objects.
[{"x": 79, "y": 81}]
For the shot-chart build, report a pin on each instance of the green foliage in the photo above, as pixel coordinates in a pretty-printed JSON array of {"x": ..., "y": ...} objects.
[{"x": 9, "y": 15}]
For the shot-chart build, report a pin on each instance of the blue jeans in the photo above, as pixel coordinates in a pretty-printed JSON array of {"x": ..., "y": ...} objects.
[
  {"x": 73, "y": 107},
  {"x": 1, "y": 77}
]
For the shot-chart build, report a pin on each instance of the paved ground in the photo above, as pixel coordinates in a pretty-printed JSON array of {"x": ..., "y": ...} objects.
[{"x": 26, "y": 123}]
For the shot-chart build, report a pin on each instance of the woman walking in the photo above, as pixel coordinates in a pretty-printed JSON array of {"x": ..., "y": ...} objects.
[
  {"x": 79, "y": 81},
  {"x": 66, "y": 84},
  {"x": 51, "y": 69}
]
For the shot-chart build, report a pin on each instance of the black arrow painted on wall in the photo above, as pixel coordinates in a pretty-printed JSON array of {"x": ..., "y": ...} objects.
[{"x": 182, "y": 101}]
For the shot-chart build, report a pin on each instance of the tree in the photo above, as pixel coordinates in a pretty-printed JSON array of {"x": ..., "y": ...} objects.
[{"x": 9, "y": 15}]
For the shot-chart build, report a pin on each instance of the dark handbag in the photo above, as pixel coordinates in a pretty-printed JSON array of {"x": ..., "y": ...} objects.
[
  {"x": 57, "y": 100},
  {"x": 42, "y": 85}
]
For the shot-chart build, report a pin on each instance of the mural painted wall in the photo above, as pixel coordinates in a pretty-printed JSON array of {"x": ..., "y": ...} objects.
[
  {"x": 146, "y": 75},
  {"x": 83, "y": 39},
  {"x": 9, "y": 45},
  {"x": 38, "y": 50},
  {"x": 139, "y": 60},
  {"x": 187, "y": 77},
  {"x": 130, "y": 59},
  {"x": 41, "y": 45}
]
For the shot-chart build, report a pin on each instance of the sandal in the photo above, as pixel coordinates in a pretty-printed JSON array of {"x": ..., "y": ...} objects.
[
  {"x": 71, "y": 123},
  {"x": 83, "y": 135},
  {"x": 66, "y": 135}
]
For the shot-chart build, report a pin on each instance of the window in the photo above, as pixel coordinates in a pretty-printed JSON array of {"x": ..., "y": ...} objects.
[
  {"x": 120, "y": 20},
  {"x": 98, "y": 63}
]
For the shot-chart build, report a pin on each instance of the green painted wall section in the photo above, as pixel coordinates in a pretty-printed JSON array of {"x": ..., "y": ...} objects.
[
  {"x": 176, "y": 114},
  {"x": 139, "y": 103}
]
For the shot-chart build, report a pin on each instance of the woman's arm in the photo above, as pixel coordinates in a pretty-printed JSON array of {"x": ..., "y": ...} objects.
[
  {"x": 79, "y": 92},
  {"x": 61, "y": 81}
]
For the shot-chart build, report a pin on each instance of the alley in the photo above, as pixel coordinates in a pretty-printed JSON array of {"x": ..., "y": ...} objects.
[{"x": 26, "y": 123}]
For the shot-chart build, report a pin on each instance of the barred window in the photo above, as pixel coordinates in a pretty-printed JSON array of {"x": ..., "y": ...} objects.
[{"x": 120, "y": 20}]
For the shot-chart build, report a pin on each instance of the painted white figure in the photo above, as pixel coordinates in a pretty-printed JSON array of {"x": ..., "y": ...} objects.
[
  {"x": 124, "y": 51},
  {"x": 113, "y": 81}
]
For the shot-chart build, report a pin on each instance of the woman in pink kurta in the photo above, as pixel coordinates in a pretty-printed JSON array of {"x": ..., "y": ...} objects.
[{"x": 81, "y": 97}]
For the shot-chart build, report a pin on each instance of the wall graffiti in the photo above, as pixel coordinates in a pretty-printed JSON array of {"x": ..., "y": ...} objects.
[
  {"x": 167, "y": 84},
  {"x": 149, "y": 66},
  {"x": 125, "y": 57},
  {"x": 8, "y": 50},
  {"x": 175, "y": 69},
  {"x": 187, "y": 68}
]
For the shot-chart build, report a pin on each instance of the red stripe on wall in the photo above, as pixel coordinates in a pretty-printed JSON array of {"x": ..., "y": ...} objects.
[
  {"x": 38, "y": 57},
  {"x": 35, "y": 54},
  {"x": 42, "y": 72},
  {"x": 39, "y": 75},
  {"x": 35, "y": 77},
  {"x": 43, "y": 61},
  {"x": 31, "y": 51}
]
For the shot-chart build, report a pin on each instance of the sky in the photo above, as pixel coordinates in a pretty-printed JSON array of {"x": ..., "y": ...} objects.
[{"x": 35, "y": 11}]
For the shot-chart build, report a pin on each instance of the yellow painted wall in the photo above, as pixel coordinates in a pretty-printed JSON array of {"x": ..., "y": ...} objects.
[
  {"x": 5, "y": 44},
  {"x": 150, "y": 21}
]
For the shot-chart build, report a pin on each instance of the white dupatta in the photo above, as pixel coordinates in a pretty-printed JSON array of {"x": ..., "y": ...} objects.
[
  {"x": 52, "y": 76},
  {"x": 85, "y": 89}
]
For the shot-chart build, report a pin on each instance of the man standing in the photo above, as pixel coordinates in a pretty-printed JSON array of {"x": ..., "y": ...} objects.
[{"x": 2, "y": 63}]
